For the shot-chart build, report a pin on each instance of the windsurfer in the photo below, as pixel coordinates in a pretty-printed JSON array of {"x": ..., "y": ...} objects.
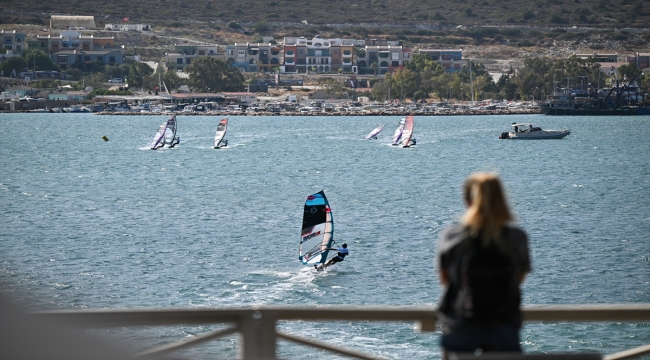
[{"x": 342, "y": 253}]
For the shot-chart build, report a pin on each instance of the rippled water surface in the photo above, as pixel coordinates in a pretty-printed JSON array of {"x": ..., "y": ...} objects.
[{"x": 94, "y": 224}]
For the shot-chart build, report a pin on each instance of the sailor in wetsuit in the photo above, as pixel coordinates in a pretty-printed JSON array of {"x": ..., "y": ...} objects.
[
  {"x": 225, "y": 143},
  {"x": 342, "y": 253}
]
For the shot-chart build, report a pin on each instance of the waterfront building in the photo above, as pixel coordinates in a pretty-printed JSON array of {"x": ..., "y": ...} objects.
[
  {"x": 13, "y": 41},
  {"x": 244, "y": 98}
]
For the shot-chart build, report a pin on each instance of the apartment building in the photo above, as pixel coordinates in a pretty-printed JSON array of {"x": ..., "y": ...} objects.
[
  {"x": 382, "y": 59},
  {"x": 184, "y": 54},
  {"x": 450, "y": 60},
  {"x": 13, "y": 40},
  {"x": 72, "y": 40}
]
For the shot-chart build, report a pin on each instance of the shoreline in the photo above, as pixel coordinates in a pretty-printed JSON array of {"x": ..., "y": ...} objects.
[{"x": 292, "y": 113}]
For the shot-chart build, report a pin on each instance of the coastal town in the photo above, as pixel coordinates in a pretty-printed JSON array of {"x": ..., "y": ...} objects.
[{"x": 293, "y": 76}]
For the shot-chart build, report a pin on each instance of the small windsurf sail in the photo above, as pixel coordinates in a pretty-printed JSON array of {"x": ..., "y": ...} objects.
[
  {"x": 158, "y": 141},
  {"x": 317, "y": 230},
  {"x": 170, "y": 132},
  {"x": 407, "y": 133},
  {"x": 221, "y": 132},
  {"x": 373, "y": 134},
  {"x": 398, "y": 132}
]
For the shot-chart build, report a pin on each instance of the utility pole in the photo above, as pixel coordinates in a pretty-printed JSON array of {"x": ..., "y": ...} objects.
[{"x": 471, "y": 81}]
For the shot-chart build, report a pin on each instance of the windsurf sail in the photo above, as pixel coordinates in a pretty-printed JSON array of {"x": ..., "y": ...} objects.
[
  {"x": 398, "y": 132},
  {"x": 407, "y": 133},
  {"x": 373, "y": 134},
  {"x": 317, "y": 230},
  {"x": 166, "y": 134},
  {"x": 221, "y": 132},
  {"x": 170, "y": 132},
  {"x": 158, "y": 138}
]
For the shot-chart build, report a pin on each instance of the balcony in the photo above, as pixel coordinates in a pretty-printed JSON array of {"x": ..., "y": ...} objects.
[{"x": 258, "y": 334}]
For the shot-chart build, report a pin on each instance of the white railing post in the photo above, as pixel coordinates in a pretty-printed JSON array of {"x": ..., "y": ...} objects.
[{"x": 258, "y": 337}]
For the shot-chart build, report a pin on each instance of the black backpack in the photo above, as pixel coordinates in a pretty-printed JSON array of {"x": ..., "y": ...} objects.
[{"x": 488, "y": 288}]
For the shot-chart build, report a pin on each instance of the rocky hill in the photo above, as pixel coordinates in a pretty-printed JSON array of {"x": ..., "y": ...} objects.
[{"x": 499, "y": 33}]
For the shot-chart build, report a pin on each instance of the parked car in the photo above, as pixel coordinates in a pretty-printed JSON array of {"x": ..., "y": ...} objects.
[{"x": 116, "y": 80}]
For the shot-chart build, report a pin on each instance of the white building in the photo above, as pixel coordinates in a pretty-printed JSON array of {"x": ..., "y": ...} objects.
[{"x": 128, "y": 27}]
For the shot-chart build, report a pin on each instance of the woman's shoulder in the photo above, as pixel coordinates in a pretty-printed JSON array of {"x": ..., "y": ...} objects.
[{"x": 515, "y": 233}]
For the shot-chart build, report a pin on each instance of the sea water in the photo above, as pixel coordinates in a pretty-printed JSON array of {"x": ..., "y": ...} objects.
[{"x": 94, "y": 224}]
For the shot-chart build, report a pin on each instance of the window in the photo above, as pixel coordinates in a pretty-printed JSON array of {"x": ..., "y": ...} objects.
[
  {"x": 288, "y": 61},
  {"x": 347, "y": 52},
  {"x": 65, "y": 45},
  {"x": 201, "y": 52},
  {"x": 384, "y": 64},
  {"x": 289, "y": 52},
  {"x": 241, "y": 53},
  {"x": 111, "y": 59},
  {"x": 63, "y": 58},
  {"x": 394, "y": 56},
  {"x": 383, "y": 55},
  {"x": 319, "y": 52},
  {"x": 230, "y": 52},
  {"x": 394, "y": 63},
  {"x": 179, "y": 61}
]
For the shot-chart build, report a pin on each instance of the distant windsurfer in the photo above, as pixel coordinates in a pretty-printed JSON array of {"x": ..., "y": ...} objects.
[
  {"x": 342, "y": 253},
  {"x": 225, "y": 142}
]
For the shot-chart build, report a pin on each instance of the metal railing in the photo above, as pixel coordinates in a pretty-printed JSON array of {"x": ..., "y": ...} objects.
[{"x": 258, "y": 334}]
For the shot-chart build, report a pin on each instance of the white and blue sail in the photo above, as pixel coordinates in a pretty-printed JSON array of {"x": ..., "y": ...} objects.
[
  {"x": 317, "y": 233},
  {"x": 373, "y": 134},
  {"x": 398, "y": 132},
  {"x": 166, "y": 135}
]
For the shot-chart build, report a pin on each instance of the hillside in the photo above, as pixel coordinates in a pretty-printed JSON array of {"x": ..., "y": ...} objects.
[
  {"x": 499, "y": 33},
  {"x": 412, "y": 13}
]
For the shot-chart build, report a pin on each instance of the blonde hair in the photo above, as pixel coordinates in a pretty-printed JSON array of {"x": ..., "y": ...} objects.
[{"x": 487, "y": 209}]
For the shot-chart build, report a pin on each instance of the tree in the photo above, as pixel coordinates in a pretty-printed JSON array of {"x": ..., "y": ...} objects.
[
  {"x": 209, "y": 73},
  {"x": 12, "y": 64},
  {"x": 404, "y": 82},
  {"x": 41, "y": 59},
  {"x": 628, "y": 72},
  {"x": 261, "y": 26},
  {"x": 373, "y": 67},
  {"x": 333, "y": 87},
  {"x": 380, "y": 90},
  {"x": 137, "y": 73}
]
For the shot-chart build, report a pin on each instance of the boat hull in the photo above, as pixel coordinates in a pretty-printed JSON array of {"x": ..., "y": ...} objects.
[{"x": 541, "y": 135}]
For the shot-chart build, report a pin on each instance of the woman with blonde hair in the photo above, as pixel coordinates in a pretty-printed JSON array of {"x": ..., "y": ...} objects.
[{"x": 481, "y": 262}]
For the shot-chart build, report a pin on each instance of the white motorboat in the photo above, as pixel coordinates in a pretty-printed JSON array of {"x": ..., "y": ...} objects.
[{"x": 530, "y": 132}]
